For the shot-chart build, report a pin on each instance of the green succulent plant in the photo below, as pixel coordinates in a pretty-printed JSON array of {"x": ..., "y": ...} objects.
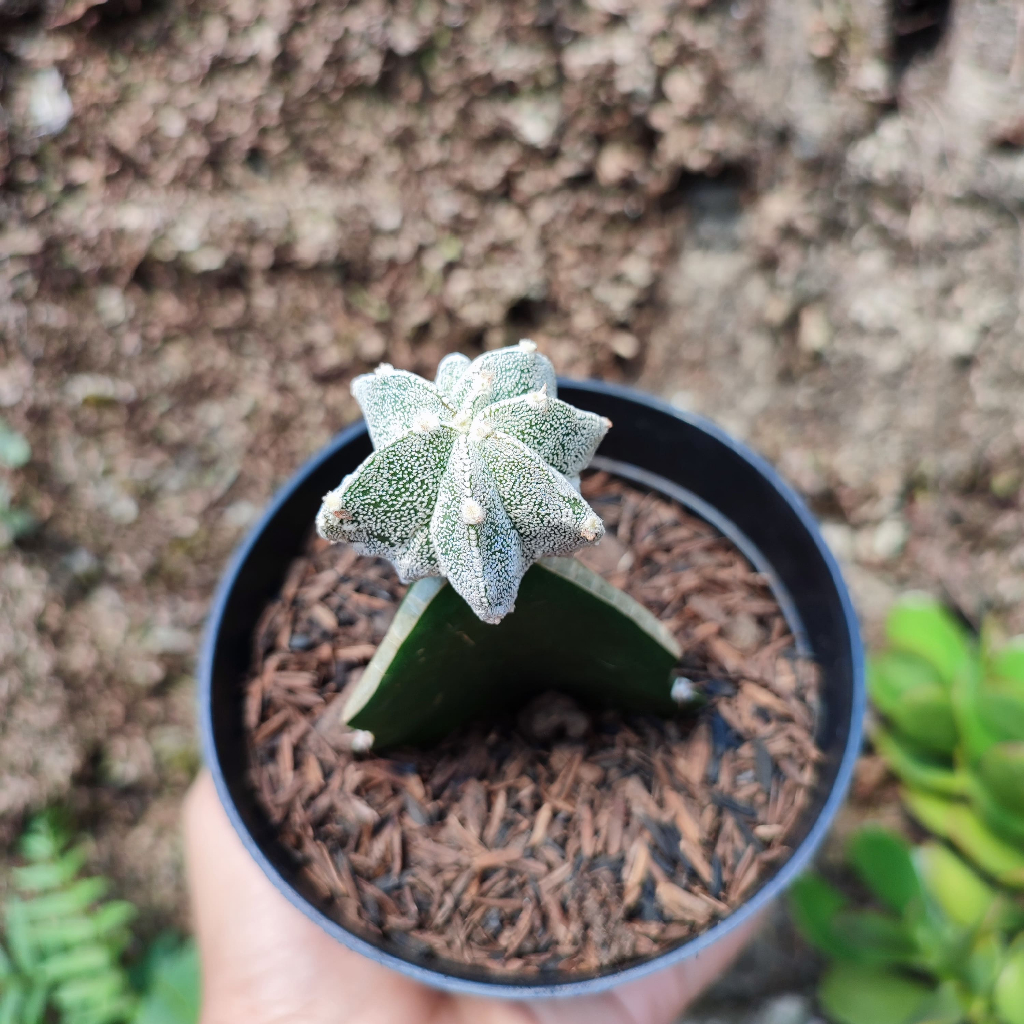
[
  {"x": 473, "y": 476},
  {"x": 64, "y": 946},
  {"x": 947, "y": 947},
  {"x": 952, "y": 729}
]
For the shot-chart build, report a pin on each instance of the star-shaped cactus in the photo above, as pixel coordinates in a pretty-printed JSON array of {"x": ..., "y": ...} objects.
[{"x": 473, "y": 477}]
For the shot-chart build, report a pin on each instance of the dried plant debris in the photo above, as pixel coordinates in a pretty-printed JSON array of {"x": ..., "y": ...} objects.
[{"x": 560, "y": 839}]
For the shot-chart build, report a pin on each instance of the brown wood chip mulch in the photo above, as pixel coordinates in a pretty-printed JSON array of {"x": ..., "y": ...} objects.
[{"x": 561, "y": 840}]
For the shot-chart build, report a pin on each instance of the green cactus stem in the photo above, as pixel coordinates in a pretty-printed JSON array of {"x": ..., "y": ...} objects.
[
  {"x": 440, "y": 666},
  {"x": 473, "y": 476}
]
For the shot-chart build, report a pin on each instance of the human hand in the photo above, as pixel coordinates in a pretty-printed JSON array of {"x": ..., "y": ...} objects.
[{"x": 264, "y": 962}]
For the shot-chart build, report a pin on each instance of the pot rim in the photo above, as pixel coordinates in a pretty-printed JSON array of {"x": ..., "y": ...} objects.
[{"x": 527, "y": 990}]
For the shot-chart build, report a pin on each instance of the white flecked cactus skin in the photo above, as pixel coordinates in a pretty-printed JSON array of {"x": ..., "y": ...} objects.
[{"x": 473, "y": 477}]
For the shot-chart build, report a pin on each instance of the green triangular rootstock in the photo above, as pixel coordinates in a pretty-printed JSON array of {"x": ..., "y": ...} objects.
[{"x": 439, "y": 667}]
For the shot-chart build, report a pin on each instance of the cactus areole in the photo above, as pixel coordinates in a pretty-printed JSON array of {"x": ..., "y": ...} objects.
[{"x": 473, "y": 477}]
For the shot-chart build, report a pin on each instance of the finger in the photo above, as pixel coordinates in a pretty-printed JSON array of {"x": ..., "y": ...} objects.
[{"x": 658, "y": 999}]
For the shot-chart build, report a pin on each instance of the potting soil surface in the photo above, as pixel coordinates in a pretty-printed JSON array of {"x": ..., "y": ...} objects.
[{"x": 559, "y": 839}]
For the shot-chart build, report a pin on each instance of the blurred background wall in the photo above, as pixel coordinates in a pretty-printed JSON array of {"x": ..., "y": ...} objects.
[{"x": 801, "y": 218}]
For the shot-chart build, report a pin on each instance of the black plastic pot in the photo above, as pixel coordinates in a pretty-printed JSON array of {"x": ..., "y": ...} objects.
[{"x": 652, "y": 444}]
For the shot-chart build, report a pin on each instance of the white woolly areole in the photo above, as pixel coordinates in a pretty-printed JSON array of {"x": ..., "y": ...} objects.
[
  {"x": 333, "y": 504},
  {"x": 483, "y": 381},
  {"x": 591, "y": 528},
  {"x": 539, "y": 399},
  {"x": 473, "y": 477},
  {"x": 473, "y": 513},
  {"x": 683, "y": 691},
  {"x": 362, "y": 741},
  {"x": 425, "y": 420},
  {"x": 480, "y": 430}
]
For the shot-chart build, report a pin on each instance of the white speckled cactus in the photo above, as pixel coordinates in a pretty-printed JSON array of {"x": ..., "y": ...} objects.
[{"x": 473, "y": 477}]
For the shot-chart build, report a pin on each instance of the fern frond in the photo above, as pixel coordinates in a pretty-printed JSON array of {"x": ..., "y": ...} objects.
[{"x": 65, "y": 941}]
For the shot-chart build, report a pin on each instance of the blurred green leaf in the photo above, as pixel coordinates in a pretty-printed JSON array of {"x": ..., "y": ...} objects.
[
  {"x": 85, "y": 993},
  {"x": 35, "y": 1005},
  {"x": 965, "y": 830},
  {"x": 78, "y": 961},
  {"x": 1008, "y": 992},
  {"x": 882, "y": 861},
  {"x": 876, "y": 938},
  {"x": 164, "y": 946},
  {"x": 963, "y": 896},
  {"x": 73, "y": 898},
  {"x": 975, "y": 734},
  {"x": 916, "y": 770},
  {"x": 173, "y": 987},
  {"x": 893, "y": 674},
  {"x": 920, "y": 625},
  {"x": 941, "y": 1007},
  {"x": 15, "y": 451},
  {"x": 943, "y": 945},
  {"x": 1005, "y": 823},
  {"x": 984, "y": 962},
  {"x": 815, "y": 905},
  {"x": 925, "y": 716},
  {"x": 1001, "y": 769},
  {"x": 114, "y": 1011},
  {"x": 1000, "y": 708},
  {"x": 46, "y": 836},
  {"x": 1008, "y": 662},
  {"x": 113, "y": 915},
  {"x": 860, "y": 936},
  {"x": 852, "y": 994},
  {"x": 11, "y": 1003},
  {"x": 105, "y": 922},
  {"x": 19, "y": 937},
  {"x": 46, "y": 875}
]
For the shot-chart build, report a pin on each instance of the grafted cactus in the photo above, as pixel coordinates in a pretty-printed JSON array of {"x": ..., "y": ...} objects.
[{"x": 473, "y": 477}]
